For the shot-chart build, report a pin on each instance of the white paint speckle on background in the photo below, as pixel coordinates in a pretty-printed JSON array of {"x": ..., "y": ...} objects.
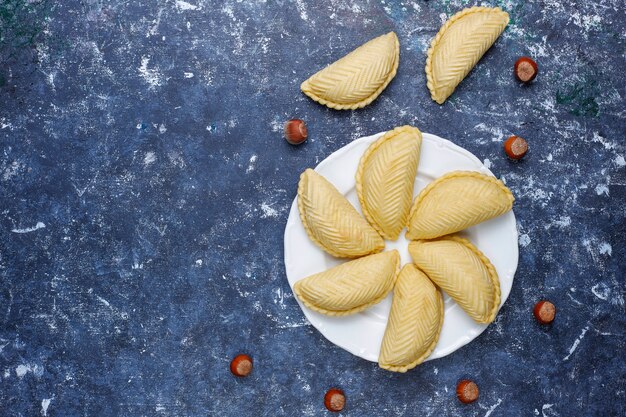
[
  {"x": 22, "y": 370},
  {"x": 496, "y": 133},
  {"x": 153, "y": 76},
  {"x": 149, "y": 158},
  {"x": 597, "y": 138},
  {"x": 620, "y": 161},
  {"x": 524, "y": 240},
  {"x": 39, "y": 225},
  {"x": 539, "y": 49},
  {"x": 188, "y": 74},
  {"x": 4, "y": 124},
  {"x": 576, "y": 343},
  {"x": 493, "y": 407},
  {"x": 562, "y": 222},
  {"x": 183, "y": 5},
  {"x": 601, "y": 290},
  {"x": 277, "y": 126},
  {"x": 12, "y": 170},
  {"x": 162, "y": 128},
  {"x": 585, "y": 22},
  {"x": 155, "y": 24},
  {"x": 45, "y": 403},
  {"x": 602, "y": 189},
  {"x": 487, "y": 163},
  {"x": 302, "y": 10},
  {"x": 544, "y": 408},
  {"x": 268, "y": 211},
  {"x": 605, "y": 248},
  {"x": 594, "y": 247},
  {"x": 251, "y": 164}
]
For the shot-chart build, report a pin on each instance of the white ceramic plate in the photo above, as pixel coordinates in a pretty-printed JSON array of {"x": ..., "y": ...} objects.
[{"x": 362, "y": 333}]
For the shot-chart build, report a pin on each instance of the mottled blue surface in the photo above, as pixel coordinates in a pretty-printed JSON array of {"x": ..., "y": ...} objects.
[{"x": 144, "y": 189}]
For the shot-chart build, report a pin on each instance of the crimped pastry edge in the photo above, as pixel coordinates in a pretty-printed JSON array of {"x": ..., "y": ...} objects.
[
  {"x": 451, "y": 175},
  {"x": 360, "y": 104},
  {"x": 493, "y": 274},
  {"x": 361, "y": 168},
  {"x": 435, "y": 42},
  {"x": 429, "y": 351},
  {"x": 333, "y": 313},
  {"x": 301, "y": 211}
]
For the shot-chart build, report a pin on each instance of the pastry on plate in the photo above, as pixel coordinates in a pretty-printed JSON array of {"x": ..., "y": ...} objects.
[
  {"x": 414, "y": 323},
  {"x": 385, "y": 177},
  {"x": 455, "y": 201},
  {"x": 358, "y": 78},
  {"x": 459, "y": 45},
  {"x": 350, "y": 287},
  {"x": 461, "y": 270},
  {"x": 332, "y": 222}
]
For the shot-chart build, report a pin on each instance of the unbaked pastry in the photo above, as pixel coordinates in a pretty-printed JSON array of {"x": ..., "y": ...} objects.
[
  {"x": 463, "y": 272},
  {"x": 352, "y": 286},
  {"x": 414, "y": 323},
  {"x": 455, "y": 201},
  {"x": 358, "y": 78},
  {"x": 459, "y": 45},
  {"x": 385, "y": 177},
  {"x": 332, "y": 222}
]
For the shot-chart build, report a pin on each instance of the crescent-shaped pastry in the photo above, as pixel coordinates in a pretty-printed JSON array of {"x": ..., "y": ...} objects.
[
  {"x": 414, "y": 323},
  {"x": 350, "y": 287},
  {"x": 463, "y": 272},
  {"x": 332, "y": 222},
  {"x": 358, "y": 78},
  {"x": 459, "y": 45},
  {"x": 456, "y": 201},
  {"x": 385, "y": 177}
]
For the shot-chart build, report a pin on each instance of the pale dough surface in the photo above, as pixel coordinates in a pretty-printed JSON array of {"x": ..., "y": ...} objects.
[
  {"x": 385, "y": 177},
  {"x": 352, "y": 286},
  {"x": 461, "y": 270},
  {"x": 459, "y": 45},
  {"x": 414, "y": 323},
  {"x": 358, "y": 78},
  {"x": 456, "y": 201},
  {"x": 332, "y": 222}
]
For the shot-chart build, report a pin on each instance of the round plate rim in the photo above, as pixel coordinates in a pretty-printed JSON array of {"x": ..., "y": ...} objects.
[{"x": 442, "y": 142}]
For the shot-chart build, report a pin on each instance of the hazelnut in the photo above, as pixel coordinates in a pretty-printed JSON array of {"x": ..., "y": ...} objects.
[
  {"x": 295, "y": 131},
  {"x": 241, "y": 365},
  {"x": 515, "y": 147},
  {"x": 334, "y": 400},
  {"x": 525, "y": 69},
  {"x": 544, "y": 312},
  {"x": 467, "y": 391}
]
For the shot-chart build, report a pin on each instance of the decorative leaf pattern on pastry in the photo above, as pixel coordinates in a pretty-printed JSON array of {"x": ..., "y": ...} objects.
[
  {"x": 355, "y": 80},
  {"x": 459, "y": 45},
  {"x": 414, "y": 323},
  {"x": 385, "y": 177},
  {"x": 456, "y": 201},
  {"x": 350, "y": 287},
  {"x": 332, "y": 222},
  {"x": 463, "y": 272}
]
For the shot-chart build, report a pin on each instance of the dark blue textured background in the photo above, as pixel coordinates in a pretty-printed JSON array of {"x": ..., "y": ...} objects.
[{"x": 144, "y": 188}]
